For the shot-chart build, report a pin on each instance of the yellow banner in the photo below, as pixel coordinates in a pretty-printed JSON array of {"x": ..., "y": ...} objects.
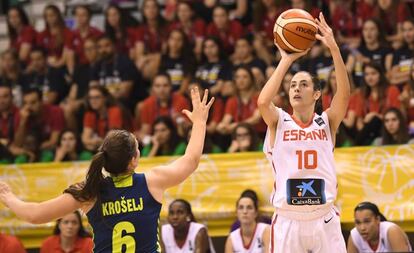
[{"x": 382, "y": 175}]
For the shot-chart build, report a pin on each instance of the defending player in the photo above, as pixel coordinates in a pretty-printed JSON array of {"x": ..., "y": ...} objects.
[
  {"x": 300, "y": 149},
  {"x": 123, "y": 208}
]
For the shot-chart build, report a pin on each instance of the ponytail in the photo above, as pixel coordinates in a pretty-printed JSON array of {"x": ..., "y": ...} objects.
[{"x": 89, "y": 189}]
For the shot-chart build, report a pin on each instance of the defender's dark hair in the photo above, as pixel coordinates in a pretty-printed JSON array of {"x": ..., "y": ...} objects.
[
  {"x": 187, "y": 207},
  {"x": 82, "y": 231},
  {"x": 114, "y": 155},
  {"x": 372, "y": 207}
]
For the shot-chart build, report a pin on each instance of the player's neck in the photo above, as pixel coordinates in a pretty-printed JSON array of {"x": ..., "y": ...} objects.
[
  {"x": 304, "y": 115},
  {"x": 249, "y": 229}
]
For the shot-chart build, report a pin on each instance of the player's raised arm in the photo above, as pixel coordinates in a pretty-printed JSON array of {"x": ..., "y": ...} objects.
[
  {"x": 38, "y": 212},
  {"x": 339, "y": 104},
  {"x": 271, "y": 88},
  {"x": 163, "y": 177}
]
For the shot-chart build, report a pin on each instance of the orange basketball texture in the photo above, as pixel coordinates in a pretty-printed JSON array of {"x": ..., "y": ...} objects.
[{"x": 295, "y": 30}]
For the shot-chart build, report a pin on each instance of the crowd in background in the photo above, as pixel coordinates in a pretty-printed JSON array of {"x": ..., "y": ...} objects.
[{"x": 63, "y": 88}]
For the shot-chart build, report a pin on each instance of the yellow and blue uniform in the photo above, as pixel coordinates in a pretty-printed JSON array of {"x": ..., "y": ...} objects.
[{"x": 125, "y": 218}]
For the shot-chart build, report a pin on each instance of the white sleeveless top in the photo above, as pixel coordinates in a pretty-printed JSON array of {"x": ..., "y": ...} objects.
[
  {"x": 303, "y": 167},
  {"x": 384, "y": 244},
  {"x": 167, "y": 232},
  {"x": 256, "y": 244}
]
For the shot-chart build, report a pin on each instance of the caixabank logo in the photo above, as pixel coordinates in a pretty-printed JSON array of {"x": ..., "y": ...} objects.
[{"x": 305, "y": 191}]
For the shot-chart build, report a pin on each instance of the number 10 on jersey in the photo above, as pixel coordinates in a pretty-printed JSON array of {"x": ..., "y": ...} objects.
[{"x": 307, "y": 159}]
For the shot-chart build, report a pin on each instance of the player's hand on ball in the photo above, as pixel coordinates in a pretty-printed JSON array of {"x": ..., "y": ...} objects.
[
  {"x": 201, "y": 107},
  {"x": 291, "y": 57},
  {"x": 326, "y": 36}
]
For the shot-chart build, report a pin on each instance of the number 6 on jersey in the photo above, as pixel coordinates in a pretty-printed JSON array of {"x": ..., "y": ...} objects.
[{"x": 307, "y": 159}]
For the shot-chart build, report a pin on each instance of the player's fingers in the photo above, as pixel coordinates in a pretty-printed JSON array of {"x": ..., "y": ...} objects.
[
  {"x": 210, "y": 103},
  {"x": 318, "y": 37},
  {"x": 196, "y": 95},
  {"x": 205, "y": 97},
  {"x": 187, "y": 113}
]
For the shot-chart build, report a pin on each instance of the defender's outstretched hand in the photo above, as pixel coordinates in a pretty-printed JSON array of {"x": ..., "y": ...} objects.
[
  {"x": 200, "y": 107},
  {"x": 326, "y": 36}
]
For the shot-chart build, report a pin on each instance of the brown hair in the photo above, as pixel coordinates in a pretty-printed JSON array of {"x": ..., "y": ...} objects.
[{"x": 114, "y": 155}]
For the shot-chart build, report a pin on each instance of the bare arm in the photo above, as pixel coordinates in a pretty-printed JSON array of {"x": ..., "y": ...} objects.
[
  {"x": 339, "y": 104},
  {"x": 229, "y": 246},
  {"x": 351, "y": 247},
  {"x": 398, "y": 239},
  {"x": 38, "y": 212},
  {"x": 266, "y": 107},
  {"x": 163, "y": 177},
  {"x": 201, "y": 241}
]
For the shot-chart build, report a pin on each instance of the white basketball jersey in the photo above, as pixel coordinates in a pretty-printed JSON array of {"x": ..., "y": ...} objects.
[
  {"x": 303, "y": 165},
  {"x": 167, "y": 232},
  {"x": 255, "y": 245},
  {"x": 384, "y": 244}
]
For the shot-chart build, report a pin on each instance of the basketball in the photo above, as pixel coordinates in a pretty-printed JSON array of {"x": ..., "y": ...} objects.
[{"x": 295, "y": 30}]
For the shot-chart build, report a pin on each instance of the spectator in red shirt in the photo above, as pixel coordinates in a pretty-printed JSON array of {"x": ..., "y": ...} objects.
[
  {"x": 162, "y": 102},
  {"x": 57, "y": 40},
  {"x": 9, "y": 243},
  {"x": 83, "y": 32},
  {"x": 117, "y": 27},
  {"x": 9, "y": 119},
  {"x": 193, "y": 26},
  {"x": 151, "y": 36},
  {"x": 102, "y": 114},
  {"x": 43, "y": 120},
  {"x": 178, "y": 61},
  {"x": 371, "y": 102},
  {"x": 69, "y": 236},
  {"x": 243, "y": 106},
  {"x": 21, "y": 34},
  {"x": 229, "y": 31}
]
